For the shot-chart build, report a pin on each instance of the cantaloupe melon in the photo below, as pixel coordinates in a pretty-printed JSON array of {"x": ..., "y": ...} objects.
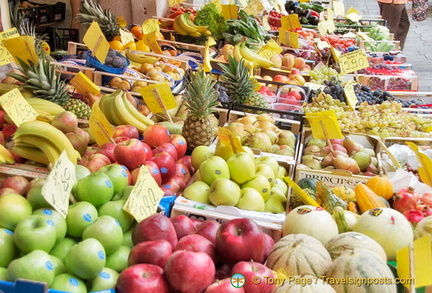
[{"x": 304, "y": 284}]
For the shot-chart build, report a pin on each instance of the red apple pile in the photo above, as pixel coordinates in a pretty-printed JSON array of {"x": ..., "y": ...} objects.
[
  {"x": 7, "y": 127},
  {"x": 185, "y": 255}
]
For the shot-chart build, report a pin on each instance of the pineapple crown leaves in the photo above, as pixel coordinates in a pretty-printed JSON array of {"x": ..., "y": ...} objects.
[
  {"x": 200, "y": 94},
  {"x": 91, "y": 11}
]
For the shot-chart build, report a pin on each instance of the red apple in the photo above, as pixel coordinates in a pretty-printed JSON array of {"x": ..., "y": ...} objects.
[
  {"x": 130, "y": 153},
  {"x": 2, "y": 117},
  {"x": 18, "y": 183},
  {"x": 8, "y": 131},
  {"x": 6, "y": 190},
  {"x": 223, "y": 271},
  {"x": 65, "y": 121},
  {"x": 208, "y": 229},
  {"x": 2, "y": 139},
  {"x": 166, "y": 147},
  {"x": 171, "y": 186},
  {"x": 240, "y": 240},
  {"x": 180, "y": 144},
  {"x": 197, "y": 243},
  {"x": 196, "y": 223},
  {"x": 269, "y": 241},
  {"x": 126, "y": 131},
  {"x": 142, "y": 278},
  {"x": 121, "y": 139},
  {"x": 151, "y": 252},
  {"x": 190, "y": 272},
  {"x": 108, "y": 150},
  {"x": 255, "y": 271},
  {"x": 223, "y": 286},
  {"x": 84, "y": 135},
  {"x": 154, "y": 171},
  {"x": 183, "y": 225},
  {"x": 94, "y": 162},
  {"x": 166, "y": 164},
  {"x": 155, "y": 227},
  {"x": 17, "y": 158},
  {"x": 180, "y": 181},
  {"x": 155, "y": 135},
  {"x": 77, "y": 142},
  {"x": 186, "y": 161},
  {"x": 148, "y": 151},
  {"x": 280, "y": 78},
  {"x": 183, "y": 172},
  {"x": 91, "y": 150}
]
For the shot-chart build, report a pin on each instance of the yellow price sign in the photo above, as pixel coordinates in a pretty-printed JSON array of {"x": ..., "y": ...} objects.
[
  {"x": 96, "y": 42},
  {"x": 144, "y": 197},
  {"x": 229, "y": 11},
  {"x": 323, "y": 27},
  {"x": 283, "y": 36},
  {"x": 353, "y": 61},
  {"x": 100, "y": 128},
  {"x": 16, "y": 106},
  {"x": 270, "y": 49},
  {"x": 150, "y": 25},
  {"x": 290, "y": 22},
  {"x": 300, "y": 192},
  {"x": 126, "y": 36},
  {"x": 155, "y": 105},
  {"x": 5, "y": 56},
  {"x": 293, "y": 40},
  {"x": 230, "y": 140},
  {"x": 338, "y": 8},
  {"x": 353, "y": 16},
  {"x": 254, "y": 7},
  {"x": 151, "y": 41},
  {"x": 350, "y": 94},
  {"x": 23, "y": 48},
  {"x": 335, "y": 53},
  {"x": 218, "y": 5},
  {"x": 324, "y": 125},
  {"x": 314, "y": 86},
  {"x": 59, "y": 183},
  {"x": 172, "y": 3},
  {"x": 83, "y": 84},
  {"x": 322, "y": 45}
]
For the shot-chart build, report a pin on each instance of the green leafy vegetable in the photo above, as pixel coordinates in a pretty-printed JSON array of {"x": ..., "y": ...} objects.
[
  {"x": 245, "y": 26},
  {"x": 209, "y": 16}
]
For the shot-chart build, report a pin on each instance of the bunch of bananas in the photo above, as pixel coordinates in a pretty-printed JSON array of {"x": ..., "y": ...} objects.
[
  {"x": 43, "y": 143},
  {"x": 6, "y": 156},
  {"x": 140, "y": 57},
  {"x": 119, "y": 111},
  {"x": 184, "y": 26},
  {"x": 252, "y": 59},
  {"x": 46, "y": 109}
]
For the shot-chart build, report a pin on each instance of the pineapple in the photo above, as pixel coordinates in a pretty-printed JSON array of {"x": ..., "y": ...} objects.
[
  {"x": 239, "y": 85},
  {"x": 200, "y": 126},
  {"x": 79, "y": 108},
  {"x": 91, "y": 11}
]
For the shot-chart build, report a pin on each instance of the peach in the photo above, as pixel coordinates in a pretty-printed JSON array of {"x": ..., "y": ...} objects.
[
  {"x": 299, "y": 62},
  {"x": 288, "y": 60}
]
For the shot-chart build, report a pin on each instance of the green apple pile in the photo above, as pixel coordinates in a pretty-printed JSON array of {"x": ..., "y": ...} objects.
[
  {"x": 83, "y": 252},
  {"x": 260, "y": 132},
  {"x": 243, "y": 181}
]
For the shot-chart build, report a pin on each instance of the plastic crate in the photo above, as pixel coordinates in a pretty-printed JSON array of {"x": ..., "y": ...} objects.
[
  {"x": 58, "y": 38},
  {"x": 41, "y": 14}
]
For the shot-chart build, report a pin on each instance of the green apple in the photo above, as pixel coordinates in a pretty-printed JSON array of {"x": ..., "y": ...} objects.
[
  {"x": 80, "y": 172},
  {"x": 7, "y": 247},
  {"x": 58, "y": 265},
  {"x": 282, "y": 172},
  {"x": 241, "y": 167},
  {"x": 86, "y": 259},
  {"x": 123, "y": 194},
  {"x": 35, "y": 266},
  {"x": 107, "y": 279},
  {"x": 277, "y": 193},
  {"x": 36, "y": 199},
  {"x": 223, "y": 151},
  {"x": 35, "y": 233},
  {"x": 3, "y": 274},
  {"x": 267, "y": 172},
  {"x": 198, "y": 191},
  {"x": 61, "y": 248},
  {"x": 56, "y": 219},
  {"x": 270, "y": 161},
  {"x": 251, "y": 200},
  {"x": 96, "y": 188},
  {"x": 118, "y": 260},
  {"x": 261, "y": 184},
  {"x": 249, "y": 151},
  {"x": 280, "y": 183},
  {"x": 13, "y": 208},
  {"x": 214, "y": 168},
  {"x": 199, "y": 155},
  {"x": 273, "y": 205},
  {"x": 115, "y": 210},
  {"x": 80, "y": 215},
  {"x": 108, "y": 231},
  {"x": 118, "y": 175},
  {"x": 127, "y": 238},
  {"x": 68, "y": 283},
  {"x": 224, "y": 192}
]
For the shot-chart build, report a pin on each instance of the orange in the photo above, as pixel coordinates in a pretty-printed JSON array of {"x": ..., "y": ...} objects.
[
  {"x": 131, "y": 45},
  {"x": 140, "y": 45},
  {"x": 116, "y": 38},
  {"x": 116, "y": 45},
  {"x": 136, "y": 31}
]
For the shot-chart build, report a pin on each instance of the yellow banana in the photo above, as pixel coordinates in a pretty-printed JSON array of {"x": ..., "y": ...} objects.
[
  {"x": 178, "y": 28},
  {"x": 135, "y": 113},
  {"x": 31, "y": 154},
  {"x": 238, "y": 56},
  {"x": 206, "y": 33},
  {"x": 124, "y": 114},
  {"x": 104, "y": 108},
  {"x": 51, "y": 152},
  {"x": 139, "y": 57},
  {"x": 250, "y": 55},
  {"x": 113, "y": 111},
  {"x": 199, "y": 28},
  {"x": 45, "y": 105},
  {"x": 6, "y": 154},
  {"x": 44, "y": 116},
  {"x": 6, "y": 87},
  {"x": 50, "y": 133},
  {"x": 185, "y": 25},
  {"x": 195, "y": 34}
]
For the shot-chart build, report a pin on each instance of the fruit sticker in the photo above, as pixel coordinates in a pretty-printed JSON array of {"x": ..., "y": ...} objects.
[
  {"x": 16, "y": 106},
  {"x": 375, "y": 212},
  {"x": 303, "y": 211}
]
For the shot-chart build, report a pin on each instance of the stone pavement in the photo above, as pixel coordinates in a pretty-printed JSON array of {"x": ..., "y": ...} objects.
[{"x": 418, "y": 45}]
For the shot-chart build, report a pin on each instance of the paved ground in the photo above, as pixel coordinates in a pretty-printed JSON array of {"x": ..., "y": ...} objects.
[{"x": 418, "y": 45}]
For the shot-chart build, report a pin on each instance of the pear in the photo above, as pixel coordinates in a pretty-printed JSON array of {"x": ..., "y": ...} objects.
[
  {"x": 363, "y": 160},
  {"x": 266, "y": 125},
  {"x": 316, "y": 141},
  {"x": 288, "y": 152},
  {"x": 312, "y": 150},
  {"x": 272, "y": 205},
  {"x": 341, "y": 162},
  {"x": 287, "y": 137},
  {"x": 312, "y": 163},
  {"x": 266, "y": 117},
  {"x": 271, "y": 134},
  {"x": 274, "y": 148},
  {"x": 237, "y": 129},
  {"x": 351, "y": 145},
  {"x": 248, "y": 119},
  {"x": 260, "y": 141}
]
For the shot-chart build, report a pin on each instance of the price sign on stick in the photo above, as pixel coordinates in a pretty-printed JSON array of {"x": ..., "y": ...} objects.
[
  {"x": 324, "y": 125},
  {"x": 59, "y": 183},
  {"x": 144, "y": 197},
  {"x": 172, "y": 3},
  {"x": 290, "y": 22},
  {"x": 338, "y": 8},
  {"x": 300, "y": 192},
  {"x": 151, "y": 41},
  {"x": 353, "y": 61},
  {"x": 229, "y": 11},
  {"x": 23, "y": 48},
  {"x": 126, "y": 36},
  {"x": 350, "y": 94},
  {"x": 100, "y": 128},
  {"x": 230, "y": 140},
  {"x": 254, "y": 7},
  {"x": 16, "y": 106},
  {"x": 96, "y": 42},
  {"x": 155, "y": 105},
  {"x": 83, "y": 84},
  {"x": 270, "y": 49},
  {"x": 5, "y": 56},
  {"x": 150, "y": 25}
]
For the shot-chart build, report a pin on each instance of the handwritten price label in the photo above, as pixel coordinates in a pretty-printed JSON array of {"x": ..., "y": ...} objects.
[
  {"x": 324, "y": 125},
  {"x": 126, "y": 36},
  {"x": 16, "y": 106},
  {"x": 290, "y": 22},
  {"x": 145, "y": 196},
  {"x": 96, "y": 42},
  {"x": 5, "y": 56},
  {"x": 353, "y": 61},
  {"x": 83, "y": 84},
  {"x": 157, "y": 106},
  {"x": 338, "y": 8},
  {"x": 270, "y": 49},
  {"x": 254, "y": 7},
  {"x": 59, "y": 183},
  {"x": 350, "y": 94}
]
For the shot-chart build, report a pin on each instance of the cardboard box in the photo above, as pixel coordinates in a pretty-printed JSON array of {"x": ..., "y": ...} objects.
[{"x": 28, "y": 286}]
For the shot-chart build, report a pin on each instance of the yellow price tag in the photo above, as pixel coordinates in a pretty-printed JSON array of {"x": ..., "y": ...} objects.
[
  {"x": 172, "y": 3},
  {"x": 350, "y": 94},
  {"x": 265, "y": 23},
  {"x": 290, "y": 22},
  {"x": 270, "y": 49},
  {"x": 96, "y": 42},
  {"x": 353, "y": 61},
  {"x": 150, "y": 25},
  {"x": 254, "y": 7},
  {"x": 218, "y": 5},
  {"x": 16, "y": 106},
  {"x": 338, "y": 8},
  {"x": 353, "y": 16},
  {"x": 352, "y": 10},
  {"x": 151, "y": 41},
  {"x": 23, "y": 48},
  {"x": 230, "y": 140},
  {"x": 206, "y": 57},
  {"x": 335, "y": 53},
  {"x": 100, "y": 128},
  {"x": 144, "y": 197},
  {"x": 283, "y": 36},
  {"x": 5, "y": 56},
  {"x": 324, "y": 125},
  {"x": 83, "y": 84},
  {"x": 126, "y": 36},
  {"x": 167, "y": 99},
  {"x": 424, "y": 170},
  {"x": 229, "y": 11},
  {"x": 314, "y": 86},
  {"x": 121, "y": 21},
  {"x": 59, "y": 183},
  {"x": 293, "y": 40},
  {"x": 323, "y": 27},
  {"x": 322, "y": 45}
]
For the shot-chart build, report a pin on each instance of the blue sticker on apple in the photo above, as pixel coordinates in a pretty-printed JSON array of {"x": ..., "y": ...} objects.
[
  {"x": 47, "y": 212},
  {"x": 218, "y": 172},
  {"x": 124, "y": 174},
  {"x": 73, "y": 282},
  {"x": 181, "y": 142},
  {"x": 117, "y": 222},
  {"x": 87, "y": 217},
  {"x": 50, "y": 222},
  {"x": 183, "y": 171},
  {"x": 49, "y": 265},
  {"x": 164, "y": 170},
  {"x": 108, "y": 183},
  {"x": 105, "y": 275},
  {"x": 167, "y": 186},
  {"x": 101, "y": 254},
  {"x": 167, "y": 131},
  {"x": 155, "y": 171},
  {"x": 8, "y": 231}
]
